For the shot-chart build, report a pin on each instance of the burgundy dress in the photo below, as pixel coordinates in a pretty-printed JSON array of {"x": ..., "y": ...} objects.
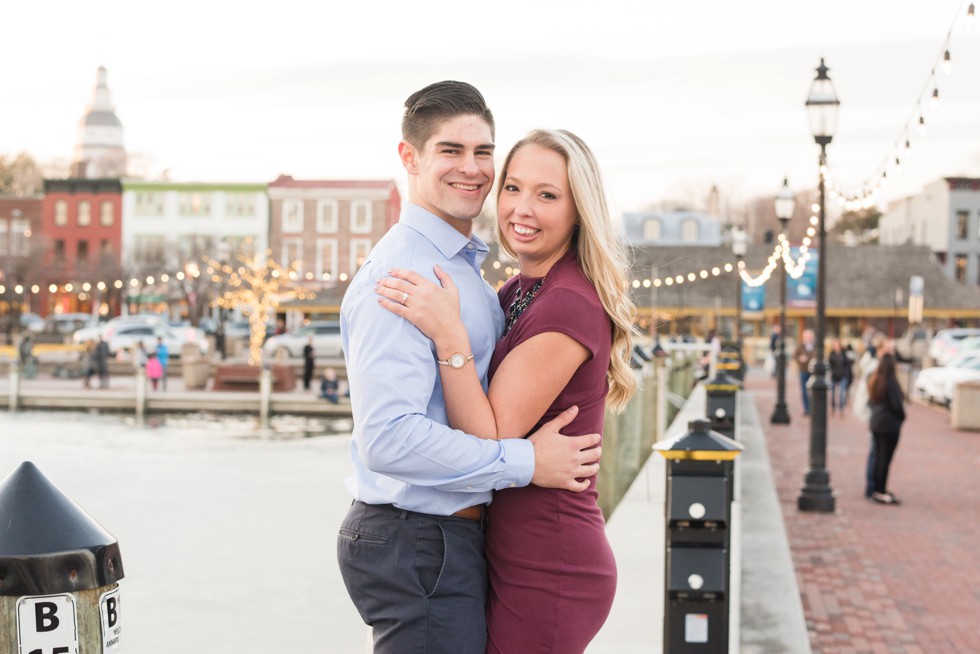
[{"x": 552, "y": 572}]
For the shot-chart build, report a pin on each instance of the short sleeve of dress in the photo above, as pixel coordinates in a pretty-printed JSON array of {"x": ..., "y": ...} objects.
[{"x": 571, "y": 312}]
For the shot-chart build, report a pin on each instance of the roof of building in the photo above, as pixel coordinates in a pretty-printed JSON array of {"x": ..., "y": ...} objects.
[
  {"x": 859, "y": 277},
  {"x": 286, "y": 181},
  {"x": 102, "y": 119}
]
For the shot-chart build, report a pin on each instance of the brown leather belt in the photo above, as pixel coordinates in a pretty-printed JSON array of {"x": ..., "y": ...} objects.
[{"x": 471, "y": 512}]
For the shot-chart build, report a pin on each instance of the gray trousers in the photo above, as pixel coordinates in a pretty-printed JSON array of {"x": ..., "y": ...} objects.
[{"x": 419, "y": 580}]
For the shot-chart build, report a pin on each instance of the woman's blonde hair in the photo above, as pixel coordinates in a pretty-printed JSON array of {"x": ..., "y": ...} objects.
[{"x": 601, "y": 254}]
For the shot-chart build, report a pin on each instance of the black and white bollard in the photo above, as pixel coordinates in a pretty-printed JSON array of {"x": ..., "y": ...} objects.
[
  {"x": 700, "y": 466},
  {"x": 59, "y": 572}
]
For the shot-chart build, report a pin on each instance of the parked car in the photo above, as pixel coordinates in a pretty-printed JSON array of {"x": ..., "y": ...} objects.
[
  {"x": 913, "y": 345},
  {"x": 126, "y": 337},
  {"x": 961, "y": 346},
  {"x": 936, "y": 384},
  {"x": 62, "y": 324},
  {"x": 942, "y": 347},
  {"x": 105, "y": 329},
  {"x": 326, "y": 341}
]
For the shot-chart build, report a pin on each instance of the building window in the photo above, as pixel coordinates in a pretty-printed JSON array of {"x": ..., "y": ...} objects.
[
  {"x": 326, "y": 259},
  {"x": 20, "y": 232},
  {"x": 3, "y": 236},
  {"x": 59, "y": 252},
  {"x": 107, "y": 213},
  {"x": 689, "y": 231},
  {"x": 652, "y": 230},
  {"x": 148, "y": 247},
  {"x": 194, "y": 203},
  {"x": 106, "y": 256},
  {"x": 61, "y": 213},
  {"x": 149, "y": 204},
  {"x": 959, "y": 272},
  {"x": 82, "y": 258},
  {"x": 292, "y": 254},
  {"x": 360, "y": 217},
  {"x": 326, "y": 216},
  {"x": 84, "y": 218},
  {"x": 292, "y": 216},
  {"x": 239, "y": 204},
  {"x": 962, "y": 224},
  {"x": 359, "y": 250}
]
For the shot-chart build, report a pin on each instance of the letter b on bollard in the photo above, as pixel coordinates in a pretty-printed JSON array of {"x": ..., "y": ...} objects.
[{"x": 58, "y": 572}]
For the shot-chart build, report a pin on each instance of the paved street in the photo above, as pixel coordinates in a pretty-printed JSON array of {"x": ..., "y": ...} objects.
[{"x": 876, "y": 578}]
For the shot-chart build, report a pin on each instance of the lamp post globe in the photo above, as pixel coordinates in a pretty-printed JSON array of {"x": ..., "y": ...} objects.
[
  {"x": 785, "y": 205},
  {"x": 816, "y": 495}
]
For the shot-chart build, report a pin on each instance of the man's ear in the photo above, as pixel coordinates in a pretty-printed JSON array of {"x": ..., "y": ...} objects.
[{"x": 409, "y": 157}]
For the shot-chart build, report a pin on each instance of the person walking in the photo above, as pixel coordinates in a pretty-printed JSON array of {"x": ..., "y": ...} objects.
[
  {"x": 887, "y": 416},
  {"x": 154, "y": 370},
  {"x": 861, "y": 409},
  {"x": 309, "y": 360},
  {"x": 805, "y": 352},
  {"x": 102, "y": 362},
  {"x": 411, "y": 547},
  {"x": 567, "y": 335},
  {"x": 840, "y": 376},
  {"x": 163, "y": 356}
]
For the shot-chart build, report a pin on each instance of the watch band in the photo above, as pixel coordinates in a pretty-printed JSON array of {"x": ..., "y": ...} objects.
[{"x": 456, "y": 360}]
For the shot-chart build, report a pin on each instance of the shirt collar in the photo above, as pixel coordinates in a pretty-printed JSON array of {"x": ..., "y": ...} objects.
[{"x": 446, "y": 239}]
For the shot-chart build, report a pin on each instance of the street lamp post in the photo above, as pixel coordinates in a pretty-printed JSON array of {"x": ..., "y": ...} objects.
[
  {"x": 739, "y": 248},
  {"x": 785, "y": 205},
  {"x": 816, "y": 494}
]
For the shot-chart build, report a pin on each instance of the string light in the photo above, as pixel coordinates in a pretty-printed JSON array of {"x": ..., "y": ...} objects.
[
  {"x": 969, "y": 17},
  {"x": 947, "y": 63},
  {"x": 934, "y": 100}
]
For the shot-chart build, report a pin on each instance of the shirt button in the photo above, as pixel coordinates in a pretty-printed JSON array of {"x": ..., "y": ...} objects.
[{"x": 469, "y": 247}]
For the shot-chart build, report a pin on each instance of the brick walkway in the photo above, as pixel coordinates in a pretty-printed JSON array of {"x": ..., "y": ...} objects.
[{"x": 876, "y": 578}]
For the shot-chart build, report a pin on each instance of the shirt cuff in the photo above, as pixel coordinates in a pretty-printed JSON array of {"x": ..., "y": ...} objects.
[{"x": 518, "y": 455}]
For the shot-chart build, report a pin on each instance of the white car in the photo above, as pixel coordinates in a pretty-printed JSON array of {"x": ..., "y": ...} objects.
[
  {"x": 936, "y": 384},
  {"x": 126, "y": 337},
  {"x": 105, "y": 329},
  {"x": 326, "y": 341},
  {"x": 943, "y": 345}
]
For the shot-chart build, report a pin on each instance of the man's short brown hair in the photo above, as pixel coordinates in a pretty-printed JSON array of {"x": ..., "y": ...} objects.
[{"x": 426, "y": 109}]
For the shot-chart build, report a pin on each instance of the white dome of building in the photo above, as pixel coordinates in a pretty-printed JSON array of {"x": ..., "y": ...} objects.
[{"x": 99, "y": 150}]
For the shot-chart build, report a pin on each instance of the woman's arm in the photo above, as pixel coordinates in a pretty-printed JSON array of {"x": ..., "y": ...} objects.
[{"x": 524, "y": 386}]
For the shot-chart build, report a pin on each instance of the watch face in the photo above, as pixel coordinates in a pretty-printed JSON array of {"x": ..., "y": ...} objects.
[{"x": 457, "y": 361}]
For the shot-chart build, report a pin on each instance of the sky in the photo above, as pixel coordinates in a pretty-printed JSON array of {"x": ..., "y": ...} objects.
[{"x": 673, "y": 96}]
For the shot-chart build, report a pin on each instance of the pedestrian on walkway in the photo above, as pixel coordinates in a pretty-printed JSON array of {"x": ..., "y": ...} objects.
[
  {"x": 309, "y": 358},
  {"x": 163, "y": 355},
  {"x": 887, "y": 415},
  {"x": 840, "y": 376},
  {"x": 805, "y": 352},
  {"x": 154, "y": 370},
  {"x": 860, "y": 409},
  {"x": 330, "y": 386},
  {"x": 102, "y": 362}
]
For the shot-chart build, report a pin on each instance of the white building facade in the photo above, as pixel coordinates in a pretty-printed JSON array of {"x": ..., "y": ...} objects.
[
  {"x": 177, "y": 223},
  {"x": 945, "y": 216}
]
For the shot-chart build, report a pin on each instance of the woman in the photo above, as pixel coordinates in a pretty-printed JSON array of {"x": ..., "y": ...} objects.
[
  {"x": 840, "y": 376},
  {"x": 566, "y": 342},
  {"x": 887, "y": 414}
]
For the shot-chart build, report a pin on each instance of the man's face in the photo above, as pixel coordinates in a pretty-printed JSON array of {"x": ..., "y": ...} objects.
[{"x": 452, "y": 173}]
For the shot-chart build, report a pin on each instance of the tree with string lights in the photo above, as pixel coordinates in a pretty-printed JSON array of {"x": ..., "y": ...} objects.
[{"x": 256, "y": 287}]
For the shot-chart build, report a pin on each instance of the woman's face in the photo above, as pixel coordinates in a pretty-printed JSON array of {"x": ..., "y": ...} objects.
[{"x": 535, "y": 208}]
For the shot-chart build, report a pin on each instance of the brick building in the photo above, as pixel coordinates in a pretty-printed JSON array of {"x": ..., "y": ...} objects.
[
  {"x": 81, "y": 232},
  {"x": 325, "y": 228}
]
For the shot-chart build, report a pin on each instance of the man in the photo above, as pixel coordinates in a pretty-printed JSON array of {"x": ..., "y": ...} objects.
[
  {"x": 805, "y": 352},
  {"x": 411, "y": 546}
]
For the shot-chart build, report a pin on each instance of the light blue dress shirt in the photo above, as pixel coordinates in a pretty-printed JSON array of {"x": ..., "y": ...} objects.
[{"x": 402, "y": 450}]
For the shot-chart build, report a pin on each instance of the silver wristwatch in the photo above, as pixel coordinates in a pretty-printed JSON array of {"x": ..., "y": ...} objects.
[{"x": 455, "y": 361}]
